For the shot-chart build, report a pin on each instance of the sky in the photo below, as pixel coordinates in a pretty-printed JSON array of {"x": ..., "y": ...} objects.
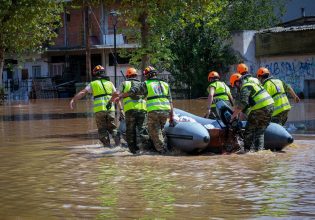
[{"x": 294, "y": 9}]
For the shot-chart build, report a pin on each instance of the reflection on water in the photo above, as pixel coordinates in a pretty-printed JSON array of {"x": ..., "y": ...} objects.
[
  {"x": 52, "y": 167},
  {"x": 51, "y": 116}
]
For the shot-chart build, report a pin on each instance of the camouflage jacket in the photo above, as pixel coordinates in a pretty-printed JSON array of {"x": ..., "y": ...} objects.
[{"x": 141, "y": 89}]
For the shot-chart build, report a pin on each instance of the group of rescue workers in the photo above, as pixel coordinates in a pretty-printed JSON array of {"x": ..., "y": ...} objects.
[
  {"x": 260, "y": 100},
  {"x": 148, "y": 105},
  {"x": 146, "y": 108}
]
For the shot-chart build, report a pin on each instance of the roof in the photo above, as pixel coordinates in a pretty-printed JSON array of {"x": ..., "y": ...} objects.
[
  {"x": 304, "y": 20},
  {"x": 287, "y": 29},
  {"x": 92, "y": 47}
]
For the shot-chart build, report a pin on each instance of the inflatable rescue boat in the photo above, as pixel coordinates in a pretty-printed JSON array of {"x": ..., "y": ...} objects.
[{"x": 194, "y": 134}]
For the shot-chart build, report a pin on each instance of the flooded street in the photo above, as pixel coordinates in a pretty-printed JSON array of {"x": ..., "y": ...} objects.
[{"x": 53, "y": 167}]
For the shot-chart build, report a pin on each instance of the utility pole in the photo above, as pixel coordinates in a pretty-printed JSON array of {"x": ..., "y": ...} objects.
[
  {"x": 87, "y": 42},
  {"x": 114, "y": 15}
]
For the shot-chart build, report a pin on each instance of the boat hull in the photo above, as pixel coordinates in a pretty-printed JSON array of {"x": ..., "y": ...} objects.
[{"x": 222, "y": 137}]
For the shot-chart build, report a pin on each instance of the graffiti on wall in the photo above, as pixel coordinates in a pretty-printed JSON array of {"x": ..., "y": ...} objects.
[{"x": 293, "y": 71}]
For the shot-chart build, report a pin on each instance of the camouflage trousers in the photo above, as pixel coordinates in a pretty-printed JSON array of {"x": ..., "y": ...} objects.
[
  {"x": 280, "y": 118},
  {"x": 105, "y": 122},
  {"x": 156, "y": 122},
  {"x": 257, "y": 122},
  {"x": 137, "y": 136}
]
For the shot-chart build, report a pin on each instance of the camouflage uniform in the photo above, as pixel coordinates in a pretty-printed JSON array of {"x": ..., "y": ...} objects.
[
  {"x": 105, "y": 118},
  {"x": 257, "y": 121},
  {"x": 136, "y": 125},
  {"x": 156, "y": 122},
  {"x": 280, "y": 118},
  {"x": 105, "y": 122},
  {"x": 249, "y": 78},
  {"x": 136, "y": 130},
  {"x": 156, "y": 119}
]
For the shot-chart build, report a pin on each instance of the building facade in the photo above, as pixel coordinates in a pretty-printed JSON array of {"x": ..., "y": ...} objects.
[
  {"x": 64, "y": 63},
  {"x": 288, "y": 52}
]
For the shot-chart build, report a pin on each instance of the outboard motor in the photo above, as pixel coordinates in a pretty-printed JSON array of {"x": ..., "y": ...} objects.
[{"x": 225, "y": 113}]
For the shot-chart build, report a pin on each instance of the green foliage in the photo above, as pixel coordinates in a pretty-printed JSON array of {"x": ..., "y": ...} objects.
[
  {"x": 190, "y": 38},
  {"x": 152, "y": 18},
  {"x": 252, "y": 14},
  {"x": 26, "y": 24},
  {"x": 199, "y": 50}
]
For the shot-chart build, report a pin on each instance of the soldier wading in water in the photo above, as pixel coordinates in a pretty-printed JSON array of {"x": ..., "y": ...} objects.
[
  {"x": 135, "y": 109},
  {"x": 102, "y": 90},
  {"x": 159, "y": 105},
  {"x": 257, "y": 104}
]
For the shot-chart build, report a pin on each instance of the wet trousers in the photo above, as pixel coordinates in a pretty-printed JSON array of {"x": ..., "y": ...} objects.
[
  {"x": 257, "y": 122},
  {"x": 156, "y": 122},
  {"x": 105, "y": 122},
  {"x": 136, "y": 130}
]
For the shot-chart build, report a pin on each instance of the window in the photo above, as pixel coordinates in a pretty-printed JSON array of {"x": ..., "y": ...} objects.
[
  {"x": 24, "y": 74},
  {"x": 56, "y": 69},
  {"x": 120, "y": 60},
  {"x": 36, "y": 71},
  {"x": 68, "y": 17}
]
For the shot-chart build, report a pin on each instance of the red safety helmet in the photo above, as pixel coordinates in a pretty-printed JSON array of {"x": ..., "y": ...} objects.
[
  {"x": 131, "y": 72},
  {"x": 242, "y": 68},
  {"x": 98, "y": 70},
  {"x": 234, "y": 78},
  {"x": 213, "y": 74},
  {"x": 148, "y": 70},
  {"x": 263, "y": 71}
]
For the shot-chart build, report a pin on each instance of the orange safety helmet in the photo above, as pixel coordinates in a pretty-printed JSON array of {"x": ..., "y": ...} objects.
[
  {"x": 263, "y": 71},
  {"x": 131, "y": 72},
  {"x": 242, "y": 68},
  {"x": 213, "y": 74},
  {"x": 98, "y": 69},
  {"x": 235, "y": 77},
  {"x": 149, "y": 70}
]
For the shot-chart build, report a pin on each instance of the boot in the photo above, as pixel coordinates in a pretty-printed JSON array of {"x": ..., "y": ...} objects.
[
  {"x": 105, "y": 142},
  {"x": 164, "y": 151},
  {"x": 117, "y": 141}
]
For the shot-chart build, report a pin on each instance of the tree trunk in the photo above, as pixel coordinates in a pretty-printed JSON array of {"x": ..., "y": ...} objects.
[
  {"x": 1, "y": 64},
  {"x": 144, "y": 38}
]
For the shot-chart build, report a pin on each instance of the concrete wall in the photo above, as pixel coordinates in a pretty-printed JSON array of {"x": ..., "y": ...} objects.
[
  {"x": 285, "y": 42},
  {"x": 243, "y": 42},
  {"x": 28, "y": 65},
  {"x": 296, "y": 70}
]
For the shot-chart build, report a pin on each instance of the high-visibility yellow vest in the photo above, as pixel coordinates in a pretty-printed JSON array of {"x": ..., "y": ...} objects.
[
  {"x": 276, "y": 89},
  {"x": 248, "y": 78},
  {"x": 132, "y": 104},
  {"x": 158, "y": 94},
  {"x": 102, "y": 91},
  {"x": 259, "y": 99},
  {"x": 221, "y": 92}
]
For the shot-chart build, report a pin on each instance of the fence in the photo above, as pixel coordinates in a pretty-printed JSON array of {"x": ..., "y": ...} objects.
[
  {"x": 41, "y": 88},
  {"x": 44, "y": 88}
]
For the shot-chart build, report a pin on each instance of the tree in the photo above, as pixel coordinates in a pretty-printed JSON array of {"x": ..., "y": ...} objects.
[
  {"x": 252, "y": 14},
  {"x": 200, "y": 51},
  {"x": 152, "y": 18},
  {"x": 202, "y": 43},
  {"x": 159, "y": 20},
  {"x": 26, "y": 25}
]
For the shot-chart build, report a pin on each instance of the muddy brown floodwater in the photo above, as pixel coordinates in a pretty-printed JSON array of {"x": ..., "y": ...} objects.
[{"x": 53, "y": 167}]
